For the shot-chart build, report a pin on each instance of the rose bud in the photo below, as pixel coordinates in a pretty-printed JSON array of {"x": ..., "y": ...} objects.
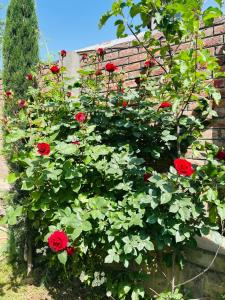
[
  {"x": 70, "y": 251},
  {"x": 98, "y": 72},
  {"x": 101, "y": 52},
  {"x": 69, "y": 94},
  {"x": 76, "y": 143},
  {"x": 125, "y": 104},
  {"x": 22, "y": 103},
  {"x": 149, "y": 63},
  {"x": 84, "y": 56},
  {"x": 55, "y": 69},
  {"x": 29, "y": 77},
  {"x": 8, "y": 94},
  {"x": 63, "y": 53}
]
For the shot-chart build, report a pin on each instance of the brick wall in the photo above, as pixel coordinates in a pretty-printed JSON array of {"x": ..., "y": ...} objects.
[{"x": 131, "y": 60}]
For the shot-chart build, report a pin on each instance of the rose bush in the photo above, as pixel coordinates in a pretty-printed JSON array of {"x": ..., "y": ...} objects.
[{"x": 104, "y": 176}]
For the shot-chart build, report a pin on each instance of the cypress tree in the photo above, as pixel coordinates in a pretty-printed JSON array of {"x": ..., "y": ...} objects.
[{"x": 20, "y": 45}]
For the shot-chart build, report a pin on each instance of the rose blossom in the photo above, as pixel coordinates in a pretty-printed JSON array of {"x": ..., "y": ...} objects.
[
  {"x": 146, "y": 177},
  {"x": 8, "y": 94},
  {"x": 98, "y": 72},
  {"x": 80, "y": 117},
  {"x": 29, "y": 77},
  {"x": 55, "y": 69},
  {"x": 70, "y": 251},
  {"x": 221, "y": 155},
  {"x": 149, "y": 63},
  {"x": 84, "y": 56},
  {"x": 58, "y": 241},
  {"x": 43, "y": 149},
  {"x": 63, "y": 53},
  {"x": 165, "y": 104},
  {"x": 100, "y": 51},
  {"x": 76, "y": 143},
  {"x": 183, "y": 167},
  {"x": 125, "y": 104},
  {"x": 69, "y": 94},
  {"x": 22, "y": 103},
  {"x": 111, "y": 67}
]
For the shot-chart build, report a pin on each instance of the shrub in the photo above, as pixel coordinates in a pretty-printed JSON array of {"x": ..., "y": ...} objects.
[{"x": 104, "y": 176}]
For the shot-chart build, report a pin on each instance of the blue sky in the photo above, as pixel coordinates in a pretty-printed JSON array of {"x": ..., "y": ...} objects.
[{"x": 72, "y": 24}]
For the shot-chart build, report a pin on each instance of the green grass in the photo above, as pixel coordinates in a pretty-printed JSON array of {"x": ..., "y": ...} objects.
[{"x": 15, "y": 287}]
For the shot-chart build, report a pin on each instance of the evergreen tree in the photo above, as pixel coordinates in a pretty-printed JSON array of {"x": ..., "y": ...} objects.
[{"x": 20, "y": 45}]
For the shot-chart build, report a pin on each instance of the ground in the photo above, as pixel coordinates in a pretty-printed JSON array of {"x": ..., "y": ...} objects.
[{"x": 14, "y": 286}]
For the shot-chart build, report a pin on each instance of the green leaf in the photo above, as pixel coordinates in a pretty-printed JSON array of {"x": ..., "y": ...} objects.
[
  {"x": 221, "y": 211},
  {"x": 109, "y": 259},
  {"x": 62, "y": 257},
  {"x": 12, "y": 177},
  {"x": 210, "y": 14},
  {"x": 165, "y": 198},
  {"x": 86, "y": 226},
  {"x": 104, "y": 18},
  {"x": 127, "y": 248}
]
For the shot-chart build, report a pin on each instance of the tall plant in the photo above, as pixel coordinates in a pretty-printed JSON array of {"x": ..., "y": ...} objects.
[{"x": 20, "y": 45}]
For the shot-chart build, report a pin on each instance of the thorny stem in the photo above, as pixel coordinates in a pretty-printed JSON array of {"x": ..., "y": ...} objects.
[{"x": 147, "y": 50}]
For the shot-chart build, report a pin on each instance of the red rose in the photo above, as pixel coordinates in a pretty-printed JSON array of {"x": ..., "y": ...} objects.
[
  {"x": 58, "y": 241},
  {"x": 98, "y": 72},
  {"x": 76, "y": 143},
  {"x": 165, "y": 104},
  {"x": 149, "y": 63},
  {"x": 220, "y": 155},
  {"x": 183, "y": 167},
  {"x": 125, "y": 104},
  {"x": 69, "y": 94},
  {"x": 111, "y": 67},
  {"x": 80, "y": 117},
  {"x": 29, "y": 77},
  {"x": 147, "y": 176},
  {"x": 22, "y": 103},
  {"x": 43, "y": 149},
  {"x": 55, "y": 69},
  {"x": 70, "y": 251},
  {"x": 8, "y": 94},
  {"x": 84, "y": 56},
  {"x": 63, "y": 53},
  {"x": 100, "y": 51}
]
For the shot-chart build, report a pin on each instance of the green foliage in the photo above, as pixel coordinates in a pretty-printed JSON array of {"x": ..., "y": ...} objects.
[
  {"x": 96, "y": 190},
  {"x": 20, "y": 45}
]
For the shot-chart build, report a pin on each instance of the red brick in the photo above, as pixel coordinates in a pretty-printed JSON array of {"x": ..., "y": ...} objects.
[
  {"x": 158, "y": 71},
  {"x": 213, "y": 41},
  {"x": 121, "y": 61},
  {"x": 130, "y": 83},
  {"x": 132, "y": 67},
  {"x": 138, "y": 57},
  {"x": 208, "y": 31},
  {"x": 134, "y": 74},
  {"x": 112, "y": 55},
  {"x": 219, "y": 29},
  {"x": 128, "y": 52}
]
